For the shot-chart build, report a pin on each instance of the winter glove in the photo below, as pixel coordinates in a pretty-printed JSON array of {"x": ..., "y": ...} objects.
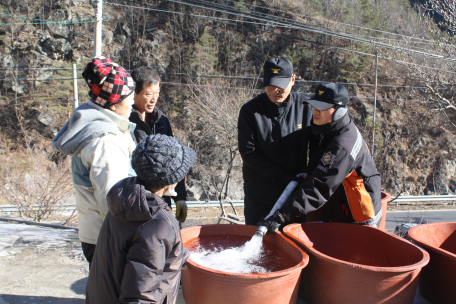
[
  {"x": 181, "y": 211},
  {"x": 272, "y": 223},
  {"x": 301, "y": 177},
  {"x": 287, "y": 178}
]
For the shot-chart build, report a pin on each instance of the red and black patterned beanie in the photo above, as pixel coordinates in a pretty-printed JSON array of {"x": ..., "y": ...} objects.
[{"x": 107, "y": 82}]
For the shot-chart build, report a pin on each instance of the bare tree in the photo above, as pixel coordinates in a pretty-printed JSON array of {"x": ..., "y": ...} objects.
[
  {"x": 435, "y": 68},
  {"x": 38, "y": 187},
  {"x": 217, "y": 107}
]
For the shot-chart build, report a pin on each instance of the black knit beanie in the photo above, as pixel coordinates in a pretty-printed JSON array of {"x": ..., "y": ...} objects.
[{"x": 161, "y": 160}]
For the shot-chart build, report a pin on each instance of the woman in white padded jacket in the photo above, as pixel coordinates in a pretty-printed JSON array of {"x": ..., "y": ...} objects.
[{"x": 98, "y": 139}]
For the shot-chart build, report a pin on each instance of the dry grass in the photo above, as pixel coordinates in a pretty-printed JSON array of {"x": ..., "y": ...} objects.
[{"x": 38, "y": 183}]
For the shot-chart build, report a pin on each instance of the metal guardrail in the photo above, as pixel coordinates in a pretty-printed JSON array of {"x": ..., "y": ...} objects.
[
  {"x": 424, "y": 198},
  {"x": 240, "y": 203},
  {"x": 14, "y": 208},
  {"x": 190, "y": 204}
]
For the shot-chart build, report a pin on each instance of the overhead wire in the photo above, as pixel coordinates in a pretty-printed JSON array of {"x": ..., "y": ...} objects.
[
  {"x": 36, "y": 68},
  {"x": 221, "y": 20},
  {"x": 47, "y": 21},
  {"x": 286, "y": 20},
  {"x": 297, "y": 80},
  {"x": 324, "y": 32},
  {"x": 221, "y": 76},
  {"x": 231, "y": 20},
  {"x": 199, "y": 75},
  {"x": 277, "y": 24},
  {"x": 330, "y": 21},
  {"x": 222, "y": 88},
  {"x": 309, "y": 17},
  {"x": 37, "y": 23}
]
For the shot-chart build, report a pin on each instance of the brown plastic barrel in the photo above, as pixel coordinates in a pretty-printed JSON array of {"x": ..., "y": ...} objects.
[
  {"x": 438, "y": 278},
  {"x": 356, "y": 264},
  {"x": 202, "y": 285},
  {"x": 386, "y": 197}
]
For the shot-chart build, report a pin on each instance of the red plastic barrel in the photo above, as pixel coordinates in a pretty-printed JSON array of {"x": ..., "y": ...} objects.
[
  {"x": 438, "y": 279},
  {"x": 356, "y": 264},
  {"x": 202, "y": 285}
]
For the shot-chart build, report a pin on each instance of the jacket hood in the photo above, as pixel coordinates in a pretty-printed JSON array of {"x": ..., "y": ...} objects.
[
  {"x": 130, "y": 201},
  {"x": 87, "y": 122}
]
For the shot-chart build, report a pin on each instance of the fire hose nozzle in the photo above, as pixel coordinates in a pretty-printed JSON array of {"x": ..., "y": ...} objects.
[{"x": 261, "y": 231}]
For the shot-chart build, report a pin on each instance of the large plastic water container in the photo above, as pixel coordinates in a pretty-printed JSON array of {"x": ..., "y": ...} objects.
[
  {"x": 202, "y": 285},
  {"x": 356, "y": 264}
]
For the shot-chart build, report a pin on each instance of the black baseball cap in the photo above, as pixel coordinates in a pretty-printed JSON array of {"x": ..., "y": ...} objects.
[
  {"x": 277, "y": 71},
  {"x": 329, "y": 94}
]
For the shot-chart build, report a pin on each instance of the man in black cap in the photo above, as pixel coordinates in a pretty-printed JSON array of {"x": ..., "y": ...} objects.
[
  {"x": 273, "y": 134},
  {"x": 342, "y": 175}
]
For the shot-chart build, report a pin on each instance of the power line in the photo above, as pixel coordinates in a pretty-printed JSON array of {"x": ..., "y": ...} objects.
[
  {"x": 38, "y": 68},
  {"x": 232, "y": 77},
  {"x": 323, "y": 32},
  {"x": 37, "y": 79},
  {"x": 212, "y": 4},
  {"x": 219, "y": 87},
  {"x": 225, "y": 76},
  {"x": 260, "y": 90},
  {"x": 297, "y": 80},
  {"x": 330, "y": 21},
  {"x": 60, "y": 22},
  {"x": 219, "y": 20},
  {"x": 46, "y": 21}
]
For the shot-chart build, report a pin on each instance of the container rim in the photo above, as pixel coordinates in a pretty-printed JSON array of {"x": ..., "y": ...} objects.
[
  {"x": 298, "y": 267},
  {"x": 444, "y": 252},
  {"x": 423, "y": 262}
]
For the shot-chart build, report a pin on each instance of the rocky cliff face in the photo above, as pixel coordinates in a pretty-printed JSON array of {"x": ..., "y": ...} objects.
[{"x": 414, "y": 147}]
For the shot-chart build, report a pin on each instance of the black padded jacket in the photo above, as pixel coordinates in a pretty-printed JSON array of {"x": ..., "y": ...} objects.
[
  {"x": 273, "y": 143},
  {"x": 342, "y": 178},
  {"x": 157, "y": 123},
  {"x": 139, "y": 253}
]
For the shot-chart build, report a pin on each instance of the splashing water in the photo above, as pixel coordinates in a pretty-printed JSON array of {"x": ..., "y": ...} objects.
[{"x": 240, "y": 259}]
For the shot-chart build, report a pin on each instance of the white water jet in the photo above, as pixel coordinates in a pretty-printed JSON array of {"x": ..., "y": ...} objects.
[{"x": 240, "y": 259}]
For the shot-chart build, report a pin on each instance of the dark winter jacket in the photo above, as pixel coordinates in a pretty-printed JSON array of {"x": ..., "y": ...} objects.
[
  {"x": 343, "y": 178},
  {"x": 273, "y": 142},
  {"x": 139, "y": 253},
  {"x": 156, "y": 123}
]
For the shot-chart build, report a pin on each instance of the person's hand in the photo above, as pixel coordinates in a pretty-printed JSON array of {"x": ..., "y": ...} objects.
[
  {"x": 270, "y": 224},
  {"x": 301, "y": 177},
  {"x": 273, "y": 222},
  {"x": 181, "y": 211}
]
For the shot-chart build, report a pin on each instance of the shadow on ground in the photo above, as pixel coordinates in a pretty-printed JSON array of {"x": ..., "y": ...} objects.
[
  {"x": 15, "y": 299},
  {"x": 79, "y": 287}
]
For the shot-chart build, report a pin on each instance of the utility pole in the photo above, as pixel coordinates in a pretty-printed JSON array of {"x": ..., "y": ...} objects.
[
  {"x": 75, "y": 86},
  {"x": 375, "y": 102},
  {"x": 98, "y": 24}
]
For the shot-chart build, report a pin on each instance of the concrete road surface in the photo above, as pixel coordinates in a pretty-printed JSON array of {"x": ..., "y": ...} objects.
[{"x": 394, "y": 218}]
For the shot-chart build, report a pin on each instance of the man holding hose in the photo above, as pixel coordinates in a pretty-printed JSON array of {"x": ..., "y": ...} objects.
[{"x": 342, "y": 175}]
